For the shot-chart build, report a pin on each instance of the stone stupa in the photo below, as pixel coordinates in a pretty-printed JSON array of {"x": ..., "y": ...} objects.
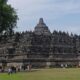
[{"x": 41, "y": 28}]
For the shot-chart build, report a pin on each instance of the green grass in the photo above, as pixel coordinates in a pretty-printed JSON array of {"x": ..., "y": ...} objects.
[{"x": 44, "y": 74}]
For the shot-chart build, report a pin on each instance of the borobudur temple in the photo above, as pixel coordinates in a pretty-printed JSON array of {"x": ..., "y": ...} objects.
[{"x": 40, "y": 48}]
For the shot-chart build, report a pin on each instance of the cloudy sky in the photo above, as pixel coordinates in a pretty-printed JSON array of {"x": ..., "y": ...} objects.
[{"x": 58, "y": 15}]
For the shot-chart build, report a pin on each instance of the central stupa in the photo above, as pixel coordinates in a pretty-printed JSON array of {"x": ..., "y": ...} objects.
[{"x": 41, "y": 28}]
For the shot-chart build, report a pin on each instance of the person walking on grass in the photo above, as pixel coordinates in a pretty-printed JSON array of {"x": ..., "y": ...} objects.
[{"x": 9, "y": 71}]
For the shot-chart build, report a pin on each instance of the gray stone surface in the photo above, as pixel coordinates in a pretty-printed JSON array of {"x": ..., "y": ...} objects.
[{"x": 40, "y": 48}]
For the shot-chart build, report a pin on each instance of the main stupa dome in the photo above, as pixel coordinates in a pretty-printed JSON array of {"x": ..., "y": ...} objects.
[{"x": 41, "y": 28}]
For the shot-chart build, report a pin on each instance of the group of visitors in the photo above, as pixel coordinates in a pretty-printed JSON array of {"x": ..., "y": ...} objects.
[
  {"x": 63, "y": 65},
  {"x": 12, "y": 69}
]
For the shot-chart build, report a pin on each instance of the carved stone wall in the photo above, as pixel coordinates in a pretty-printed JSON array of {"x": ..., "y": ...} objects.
[{"x": 40, "y": 46}]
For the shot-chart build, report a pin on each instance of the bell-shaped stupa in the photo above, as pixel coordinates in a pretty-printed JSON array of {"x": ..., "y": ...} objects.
[{"x": 41, "y": 28}]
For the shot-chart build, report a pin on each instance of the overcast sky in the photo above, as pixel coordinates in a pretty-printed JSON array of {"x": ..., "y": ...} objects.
[{"x": 58, "y": 15}]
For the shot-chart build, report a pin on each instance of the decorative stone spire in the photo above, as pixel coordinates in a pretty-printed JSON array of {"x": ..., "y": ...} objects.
[
  {"x": 41, "y": 21},
  {"x": 41, "y": 28}
]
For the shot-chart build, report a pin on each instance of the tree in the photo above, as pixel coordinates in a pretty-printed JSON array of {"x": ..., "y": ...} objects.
[{"x": 8, "y": 17}]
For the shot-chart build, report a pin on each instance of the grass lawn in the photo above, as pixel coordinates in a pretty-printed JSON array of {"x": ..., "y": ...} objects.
[{"x": 44, "y": 74}]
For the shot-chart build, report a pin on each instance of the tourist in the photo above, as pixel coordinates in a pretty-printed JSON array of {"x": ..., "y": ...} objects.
[
  {"x": 29, "y": 67},
  {"x": 9, "y": 71},
  {"x": 62, "y": 65},
  {"x": 66, "y": 65}
]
